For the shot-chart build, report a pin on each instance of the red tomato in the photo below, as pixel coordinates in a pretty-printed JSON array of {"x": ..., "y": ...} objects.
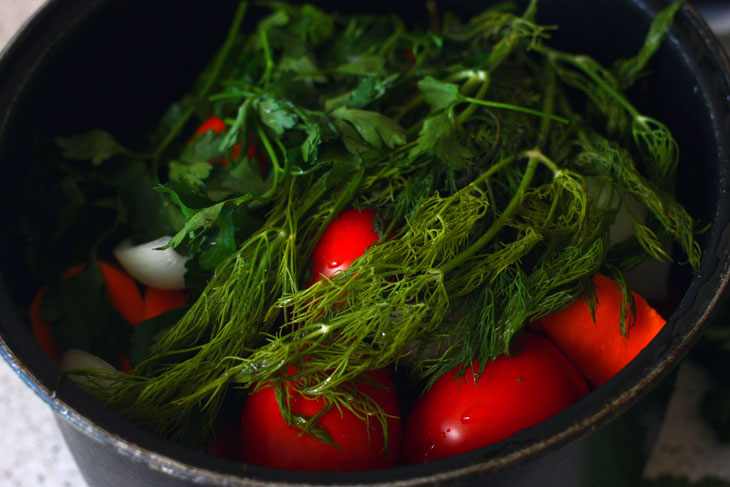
[
  {"x": 213, "y": 123},
  {"x": 158, "y": 301},
  {"x": 124, "y": 364},
  {"x": 252, "y": 154},
  {"x": 226, "y": 443},
  {"x": 345, "y": 239},
  {"x": 513, "y": 393},
  {"x": 217, "y": 125},
  {"x": 593, "y": 342},
  {"x": 267, "y": 439}
]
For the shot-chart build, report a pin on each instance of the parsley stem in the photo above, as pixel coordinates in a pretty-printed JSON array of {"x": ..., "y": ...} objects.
[
  {"x": 276, "y": 168},
  {"x": 464, "y": 116},
  {"x": 212, "y": 77},
  {"x": 222, "y": 55}
]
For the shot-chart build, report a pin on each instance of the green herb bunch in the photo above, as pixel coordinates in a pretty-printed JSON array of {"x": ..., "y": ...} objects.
[{"x": 496, "y": 163}]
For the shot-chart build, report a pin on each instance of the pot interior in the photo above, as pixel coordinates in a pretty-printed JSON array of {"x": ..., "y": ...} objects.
[{"x": 118, "y": 64}]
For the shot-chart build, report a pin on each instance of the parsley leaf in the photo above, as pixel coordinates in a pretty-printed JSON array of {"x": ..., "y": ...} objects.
[
  {"x": 439, "y": 137},
  {"x": 94, "y": 326},
  {"x": 438, "y": 94},
  {"x": 276, "y": 114},
  {"x": 374, "y": 128},
  {"x": 96, "y": 146},
  {"x": 202, "y": 148},
  {"x": 193, "y": 174}
]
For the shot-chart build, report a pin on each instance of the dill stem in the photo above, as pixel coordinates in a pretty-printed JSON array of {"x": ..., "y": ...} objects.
[
  {"x": 514, "y": 203},
  {"x": 345, "y": 197},
  {"x": 388, "y": 231},
  {"x": 535, "y": 156},
  {"x": 317, "y": 191},
  {"x": 212, "y": 77},
  {"x": 575, "y": 61}
]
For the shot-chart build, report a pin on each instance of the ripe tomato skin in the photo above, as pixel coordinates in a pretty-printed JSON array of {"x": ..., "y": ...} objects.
[
  {"x": 267, "y": 439},
  {"x": 226, "y": 442},
  {"x": 345, "y": 239},
  {"x": 513, "y": 393},
  {"x": 212, "y": 123},
  {"x": 217, "y": 125}
]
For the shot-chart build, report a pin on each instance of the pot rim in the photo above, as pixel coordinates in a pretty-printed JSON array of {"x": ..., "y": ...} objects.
[{"x": 621, "y": 392}]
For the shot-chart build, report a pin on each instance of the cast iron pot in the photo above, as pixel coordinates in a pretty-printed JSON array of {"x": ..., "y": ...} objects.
[{"x": 117, "y": 64}]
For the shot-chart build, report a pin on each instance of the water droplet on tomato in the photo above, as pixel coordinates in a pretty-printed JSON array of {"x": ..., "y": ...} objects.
[
  {"x": 476, "y": 414},
  {"x": 442, "y": 435},
  {"x": 448, "y": 430}
]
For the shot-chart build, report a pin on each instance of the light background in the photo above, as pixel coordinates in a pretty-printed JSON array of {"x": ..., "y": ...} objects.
[{"x": 33, "y": 453}]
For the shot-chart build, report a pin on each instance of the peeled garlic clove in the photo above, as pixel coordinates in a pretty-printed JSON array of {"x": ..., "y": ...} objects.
[
  {"x": 158, "y": 268},
  {"x": 608, "y": 196},
  {"x": 651, "y": 280},
  {"x": 74, "y": 358}
]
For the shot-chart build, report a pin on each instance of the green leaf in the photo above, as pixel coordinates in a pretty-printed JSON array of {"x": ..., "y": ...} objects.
[
  {"x": 438, "y": 94},
  {"x": 202, "y": 148},
  {"x": 276, "y": 114},
  {"x": 224, "y": 244},
  {"x": 243, "y": 177},
  {"x": 94, "y": 326},
  {"x": 438, "y": 137},
  {"x": 200, "y": 220},
  {"x": 96, "y": 146},
  {"x": 365, "y": 66},
  {"x": 302, "y": 66},
  {"x": 629, "y": 69},
  {"x": 369, "y": 89},
  {"x": 319, "y": 129},
  {"x": 193, "y": 174},
  {"x": 375, "y": 128},
  {"x": 149, "y": 215},
  {"x": 277, "y": 19},
  {"x": 238, "y": 126},
  {"x": 313, "y": 24}
]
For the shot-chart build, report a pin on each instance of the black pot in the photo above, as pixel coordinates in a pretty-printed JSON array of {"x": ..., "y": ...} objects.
[{"x": 117, "y": 64}]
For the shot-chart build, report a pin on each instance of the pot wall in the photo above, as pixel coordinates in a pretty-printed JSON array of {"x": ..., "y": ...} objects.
[
  {"x": 79, "y": 66},
  {"x": 614, "y": 455}
]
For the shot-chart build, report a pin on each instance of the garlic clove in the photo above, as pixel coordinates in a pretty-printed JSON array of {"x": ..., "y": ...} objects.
[
  {"x": 152, "y": 266},
  {"x": 74, "y": 358}
]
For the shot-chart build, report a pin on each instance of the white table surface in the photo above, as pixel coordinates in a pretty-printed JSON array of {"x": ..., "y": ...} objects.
[{"x": 33, "y": 453}]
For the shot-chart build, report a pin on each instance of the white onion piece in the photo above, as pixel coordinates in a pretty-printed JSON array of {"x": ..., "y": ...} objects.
[
  {"x": 160, "y": 269},
  {"x": 650, "y": 280},
  {"x": 622, "y": 227},
  {"x": 74, "y": 358}
]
